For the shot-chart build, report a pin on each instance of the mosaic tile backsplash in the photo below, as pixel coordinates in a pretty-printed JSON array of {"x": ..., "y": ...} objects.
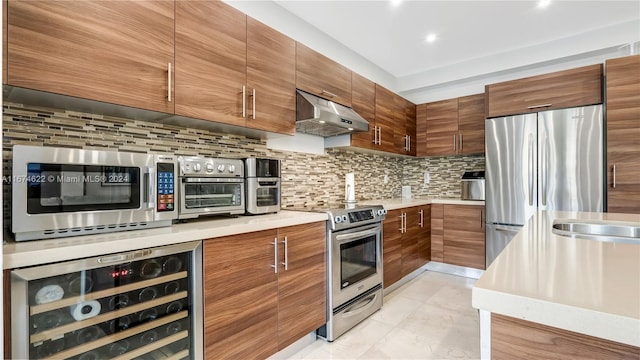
[{"x": 307, "y": 180}]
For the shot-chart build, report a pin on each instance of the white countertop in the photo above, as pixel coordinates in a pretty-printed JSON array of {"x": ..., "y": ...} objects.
[
  {"x": 29, "y": 253},
  {"x": 586, "y": 286},
  {"x": 399, "y": 203}
]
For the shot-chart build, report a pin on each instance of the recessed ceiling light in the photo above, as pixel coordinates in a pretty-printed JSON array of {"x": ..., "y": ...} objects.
[
  {"x": 395, "y": 3},
  {"x": 431, "y": 38},
  {"x": 544, "y": 3}
]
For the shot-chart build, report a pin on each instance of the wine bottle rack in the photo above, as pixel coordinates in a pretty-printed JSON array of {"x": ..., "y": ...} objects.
[{"x": 139, "y": 305}]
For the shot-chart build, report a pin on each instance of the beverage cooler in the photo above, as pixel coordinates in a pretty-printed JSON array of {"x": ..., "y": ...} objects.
[{"x": 143, "y": 304}]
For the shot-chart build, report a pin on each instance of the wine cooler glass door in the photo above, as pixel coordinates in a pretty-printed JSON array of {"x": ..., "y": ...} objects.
[{"x": 141, "y": 304}]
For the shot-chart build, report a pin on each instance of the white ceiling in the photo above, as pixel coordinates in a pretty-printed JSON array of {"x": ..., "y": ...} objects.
[{"x": 468, "y": 31}]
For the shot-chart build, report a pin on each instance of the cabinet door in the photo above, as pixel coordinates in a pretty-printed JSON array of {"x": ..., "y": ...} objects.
[
  {"x": 271, "y": 79},
  {"x": 113, "y": 51},
  {"x": 471, "y": 124},
  {"x": 410, "y": 240},
  {"x": 410, "y": 127},
  {"x": 302, "y": 285},
  {"x": 623, "y": 134},
  {"x": 363, "y": 101},
  {"x": 211, "y": 61},
  {"x": 405, "y": 126},
  {"x": 562, "y": 89},
  {"x": 464, "y": 232},
  {"x": 319, "y": 75},
  {"x": 442, "y": 127},
  {"x": 424, "y": 235},
  {"x": 392, "y": 248},
  {"x": 386, "y": 118},
  {"x": 421, "y": 130},
  {"x": 437, "y": 232},
  {"x": 240, "y": 296}
]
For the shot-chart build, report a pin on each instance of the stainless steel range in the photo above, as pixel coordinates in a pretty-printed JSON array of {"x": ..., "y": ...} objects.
[{"x": 354, "y": 270}]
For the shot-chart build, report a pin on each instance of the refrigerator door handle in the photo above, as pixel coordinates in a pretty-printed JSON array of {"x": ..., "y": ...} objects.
[
  {"x": 530, "y": 169},
  {"x": 543, "y": 169},
  {"x": 508, "y": 230}
]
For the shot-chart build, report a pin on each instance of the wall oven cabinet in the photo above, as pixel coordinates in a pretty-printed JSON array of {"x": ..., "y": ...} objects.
[{"x": 142, "y": 304}]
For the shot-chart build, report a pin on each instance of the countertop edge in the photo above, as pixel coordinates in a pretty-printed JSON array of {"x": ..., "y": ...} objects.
[
  {"x": 32, "y": 253},
  {"x": 400, "y": 203},
  {"x": 620, "y": 329}
]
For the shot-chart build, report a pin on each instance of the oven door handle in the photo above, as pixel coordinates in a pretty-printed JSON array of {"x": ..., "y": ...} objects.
[
  {"x": 360, "y": 306},
  {"x": 357, "y": 235},
  {"x": 212, "y": 180}
]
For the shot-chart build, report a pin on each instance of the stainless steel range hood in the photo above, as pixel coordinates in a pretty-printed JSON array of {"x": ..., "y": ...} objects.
[{"x": 318, "y": 116}]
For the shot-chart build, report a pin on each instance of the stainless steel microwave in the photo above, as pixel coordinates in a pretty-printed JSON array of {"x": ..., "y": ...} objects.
[{"x": 59, "y": 192}]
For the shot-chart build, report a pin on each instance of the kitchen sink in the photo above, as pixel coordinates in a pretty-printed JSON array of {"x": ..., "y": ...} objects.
[{"x": 622, "y": 232}]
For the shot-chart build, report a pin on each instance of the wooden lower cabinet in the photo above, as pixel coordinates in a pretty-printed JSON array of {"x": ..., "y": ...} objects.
[
  {"x": 458, "y": 235},
  {"x": 406, "y": 244},
  {"x": 252, "y": 311},
  {"x": 513, "y": 338}
]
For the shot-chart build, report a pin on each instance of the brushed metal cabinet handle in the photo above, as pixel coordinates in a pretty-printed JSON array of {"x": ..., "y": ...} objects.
[
  {"x": 379, "y": 135},
  {"x": 401, "y": 223},
  {"x": 286, "y": 253},
  {"x": 244, "y": 105},
  {"x": 275, "y": 255},
  {"x": 169, "y": 82},
  {"x": 328, "y": 93},
  {"x": 421, "y": 218},
  {"x": 614, "y": 176},
  {"x": 454, "y": 142},
  {"x": 254, "y": 104},
  {"x": 538, "y": 106},
  {"x": 460, "y": 149}
]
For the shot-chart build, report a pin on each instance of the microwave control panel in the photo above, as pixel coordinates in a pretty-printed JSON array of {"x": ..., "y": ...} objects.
[{"x": 166, "y": 187}]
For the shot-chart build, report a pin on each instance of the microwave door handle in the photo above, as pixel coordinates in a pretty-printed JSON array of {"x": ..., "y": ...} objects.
[
  {"x": 357, "y": 235},
  {"x": 151, "y": 188}
]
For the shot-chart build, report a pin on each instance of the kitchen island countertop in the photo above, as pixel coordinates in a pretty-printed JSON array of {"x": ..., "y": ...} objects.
[
  {"x": 586, "y": 286},
  {"x": 36, "y": 252}
]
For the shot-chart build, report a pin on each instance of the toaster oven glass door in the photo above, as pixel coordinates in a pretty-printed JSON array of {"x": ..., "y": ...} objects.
[
  {"x": 267, "y": 194},
  {"x": 61, "y": 188},
  {"x": 201, "y": 193}
]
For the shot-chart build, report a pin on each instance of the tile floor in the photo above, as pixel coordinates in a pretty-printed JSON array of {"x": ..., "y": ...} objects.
[{"x": 429, "y": 317}]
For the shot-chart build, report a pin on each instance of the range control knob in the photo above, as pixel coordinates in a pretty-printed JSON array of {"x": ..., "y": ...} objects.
[
  {"x": 231, "y": 168},
  {"x": 382, "y": 212},
  {"x": 338, "y": 219},
  {"x": 221, "y": 168},
  {"x": 345, "y": 219},
  {"x": 209, "y": 167},
  {"x": 197, "y": 167}
]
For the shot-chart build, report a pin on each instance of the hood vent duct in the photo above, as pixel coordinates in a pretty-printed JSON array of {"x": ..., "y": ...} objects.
[{"x": 318, "y": 116}]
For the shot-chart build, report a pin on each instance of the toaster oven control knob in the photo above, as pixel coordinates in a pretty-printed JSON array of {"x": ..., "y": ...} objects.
[
  {"x": 221, "y": 168},
  {"x": 197, "y": 167},
  {"x": 209, "y": 167},
  {"x": 232, "y": 168}
]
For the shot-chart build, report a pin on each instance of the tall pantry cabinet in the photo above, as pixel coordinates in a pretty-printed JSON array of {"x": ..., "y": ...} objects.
[{"x": 623, "y": 134}]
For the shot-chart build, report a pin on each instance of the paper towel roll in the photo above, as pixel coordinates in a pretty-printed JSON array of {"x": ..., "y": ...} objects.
[
  {"x": 85, "y": 310},
  {"x": 349, "y": 188},
  {"x": 49, "y": 293}
]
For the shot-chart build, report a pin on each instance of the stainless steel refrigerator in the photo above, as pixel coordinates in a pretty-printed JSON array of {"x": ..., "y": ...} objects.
[{"x": 550, "y": 160}]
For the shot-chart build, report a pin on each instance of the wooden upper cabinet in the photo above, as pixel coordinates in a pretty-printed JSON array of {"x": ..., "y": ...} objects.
[
  {"x": 410, "y": 127},
  {"x": 113, "y": 51},
  {"x": 319, "y": 75},
  {"x": 421, "y": 129},
  {"x": 271, "y": 79},
  {"x": 211, "y": 61},
  {"x": 387, "y": 115},
  {"x": 471, "y": 124},
  {"x": 562, "y": 89},
  {"x": 363, "y": 101},
  {"x": 623, "y": 134},
  {"x": 441, "y": 127}
]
